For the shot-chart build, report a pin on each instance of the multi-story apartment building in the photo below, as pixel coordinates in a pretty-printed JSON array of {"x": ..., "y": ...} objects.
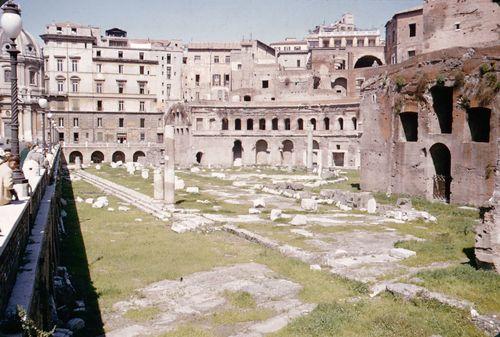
[
  {"x": 109, "y": 89},
  {"x": 292, "y": 53},
  {"x": 30, "y": 87}
]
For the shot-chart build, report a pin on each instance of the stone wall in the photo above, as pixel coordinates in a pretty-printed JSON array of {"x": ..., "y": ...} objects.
[
  {"x": 430, "y": 124},
  {"x": 460, "y": 23}
]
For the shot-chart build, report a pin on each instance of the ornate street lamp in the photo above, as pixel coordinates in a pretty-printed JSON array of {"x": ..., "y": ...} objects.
[
  {"x": 42, "y": 102},
  {"x": 12, "y": 25},
  {"x": 49, "y": 116}
]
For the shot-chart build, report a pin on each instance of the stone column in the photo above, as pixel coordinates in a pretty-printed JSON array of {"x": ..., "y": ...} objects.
[
  {"x": 309, "y": 155},
  {"x": 169, "y": 176},
  {"x": 159, "y": 186}
]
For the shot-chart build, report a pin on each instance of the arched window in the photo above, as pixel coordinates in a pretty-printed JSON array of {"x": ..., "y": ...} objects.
[
  {"x": 287, "y": 123},
  {"x": 275, "y": 123},
  {"x": 313, "y": 123},
  {"x": 355, "y": 123},
  {"x": 341, "y": 124},
  {"x": 249, "y": 124},
  {"x": 300, "y": 124},
  {"x": 225, "y": 124},
  {"x": 262, "y": 124},
  {"x": 237, "y": 124},
  {"x": 326, "y": 122},
  {"x": 247, "y": 98}
]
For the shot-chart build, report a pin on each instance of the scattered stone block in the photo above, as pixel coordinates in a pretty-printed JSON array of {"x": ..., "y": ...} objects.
[
  {"x": 79, "y": 199},
  {"x": 259, "y": 203},
  {"x": 145, "y": 174},
  {"x": 315, "y": 267},
  {"x": 98, "y": 167},
  {"x": 275, "y": 214},
  {"x": 138, "y": 220},
  {"x": 253, "y": 210},
  {"x": 123, "y": 208},
  {"x": 216, "y": 208},
  {"x": 89, "y": 200},
  {"x": 309, "y": 205},
  {"x": 195, "y": 169},
  {"x": 100, "y": 202},
  {"x": 401, "y": 253},
  {"x": 111, "y": 209},
  {"x": 302, "y": 232},
  {"x": 193, "y": 190},
  {"x": 218, "y": 175},
  {"x": 179, "y": 183},
  {"x": 299, "y": 220}
]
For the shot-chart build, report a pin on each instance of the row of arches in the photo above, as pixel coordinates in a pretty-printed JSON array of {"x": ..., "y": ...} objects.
[
  {"x": 287, "y": 124},
  {"x": 97, "y": 157}
]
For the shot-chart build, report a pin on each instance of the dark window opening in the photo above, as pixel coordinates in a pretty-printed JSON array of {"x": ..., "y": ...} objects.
[
  {"x": 367, "y": 61},
  {"x": 237, "y": 150},
  {"x": 199, "y": 156},
  {"x": 249, "y": 124},
  {"x": 338, "y": 158},
  {"x": 275, "y": 123},
  {"x": 413, "y": 29},
  {"x": 479, "y": 124},
  {"x": 225, "y": 124},
  {"x": 287, "y": 123},
  {"x": 355, "y": 123},
  {"x": 262, "y": 124},
  {"x": 341, "y": 124},
  {"x": 237, "y": 124},
  {"x": 316, "y": 82},
  {"x": 265, "y": 84},
  {"x": 247, "y": 98},
  {"x": 300, "y": 124},
  {"x": 442, "y": 98},
  {"x": 326, "y": 122},
  {"x": 441, "y": 159},
  {"x": 409, "y": 121},
  {"x": 313, "y": 123}
]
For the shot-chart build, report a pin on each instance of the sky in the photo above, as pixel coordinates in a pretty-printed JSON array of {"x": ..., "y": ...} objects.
[{"x": 209, "y": 20}]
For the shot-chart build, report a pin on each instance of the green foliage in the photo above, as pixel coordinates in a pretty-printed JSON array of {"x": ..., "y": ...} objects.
[
  {"x": 240, "y": 299},
  {"x": 459, "y": 79},
  {"x": 491, "y": 79},
  {"x": 142, "y": 314},
  {"x": 485, "y": 68},
  {"x": 478, "y": 286},
  {"x": 400, "y": 83},
  {"x": 189, "y": 331},
  {"x": 29, "y": 327},
  {"x": 440, "y": 80}
]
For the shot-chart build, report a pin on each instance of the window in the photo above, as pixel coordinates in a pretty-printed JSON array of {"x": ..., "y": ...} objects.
[
  {"x": 120, "y": 87},
  {"x": 197, "y": 79},
  {"x": 141, "y": 70},
  {"x": 141, "y": 108},
  {"x": 121, "y": 105},
  {"x": 225, "y": 124},
  {"x": 249, "y": 124},
  {"x": 75, "y": 122},
  {"x": 361, "y": 43},
  {"x": 215, "y": 79},
  {"x": 120, "y": 122},
  {"x": 262, "y": 124},
  {"x": 216, "y": 59},
  {"x": 265, "y": 84},
  {"x": 226, "y": 80},
  {"x": 141, "y": 56},
  {"x": 120, "y": 68},
  {"x": 142, "y": 89},
  {"x": 169, "y": 87},
  {"x": 247, "y": 98},
  {"x": 197, "y": 95},
  {"x": 300, "y": 124},
  {"x": 99, "y": 105},
  {"x": 74, "y": 86},
  {"x": 287, "y": 123},
  {"x": 59, "y": 30},
  {"x": 413, "y": 29},
  {"x": 411, "y": 53},
  {"x": 120, "y": 54},
  {"x": 99, "y": 67},
  {"x": 6, "y": 75},
  {"x": 220, "y": 94},
  {"x": 228, "y": 59},
  {"x": 76, "y": 137},
  {"x": 159, "y": 137},
  {"x": 142, "y": 121},
  {"x": 32, "y": 77},
  {"x": 73, "y": 31},
  {"x": 60, "y": 121},
  {"x": 60, "y": 86},
  {"x": 169, "y": 58},
  {"x": 99, "y": 122},
  {"x": 237, "y": 124},
  {"x": 349, "y": 43},
  {"x": 275, "y": 124},
  {"x": 74, "y": 65},
  {"x": 59, "y": 65},
  {"x": 169, "y": 73},
  {"x": 298, "y": 63},
  {"x": 98, "y": 53},
  {"x": 326, "y": 122},
  {"x": 98, "y": 88},
  {"x": 239, "y": 66},
  {"x": 197, "y": 58},
  {"x": 457, "y": 26}
]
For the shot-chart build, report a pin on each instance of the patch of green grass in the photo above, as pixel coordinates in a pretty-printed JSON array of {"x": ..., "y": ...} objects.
[
  {"x": 384, "y": 316},
  {"x": 240, "y": 299},
  {"x": 345, "y": 228},
  {"x": 478, "y": 286},
  {"x": 120, "y": 176},
  {"x": 142, "y": 314},
  {"x": 189, "y": 331},
  {"x": 233, "y": 316}
]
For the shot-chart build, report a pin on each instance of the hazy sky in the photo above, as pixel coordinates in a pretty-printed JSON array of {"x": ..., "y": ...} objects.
[{"x": 209, "y": 20}]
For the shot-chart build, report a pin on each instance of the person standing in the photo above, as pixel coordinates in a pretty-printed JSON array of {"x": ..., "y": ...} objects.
[{"x": 6, "y": 180}]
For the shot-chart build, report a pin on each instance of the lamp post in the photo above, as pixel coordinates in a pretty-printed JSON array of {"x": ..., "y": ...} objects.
[
  {"x": 53, "y": 132},
  {"x": 42, "y": 102},
  {"x": 49, "y": 116},
  {"x": 12, "y": 25}
]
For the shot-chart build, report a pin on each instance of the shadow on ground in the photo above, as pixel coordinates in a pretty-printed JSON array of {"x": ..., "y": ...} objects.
[{"x": 74, "y": 257}]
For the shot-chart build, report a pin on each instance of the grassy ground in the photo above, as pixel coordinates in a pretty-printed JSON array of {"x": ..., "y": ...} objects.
[{"x": 112, "y": 256}]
